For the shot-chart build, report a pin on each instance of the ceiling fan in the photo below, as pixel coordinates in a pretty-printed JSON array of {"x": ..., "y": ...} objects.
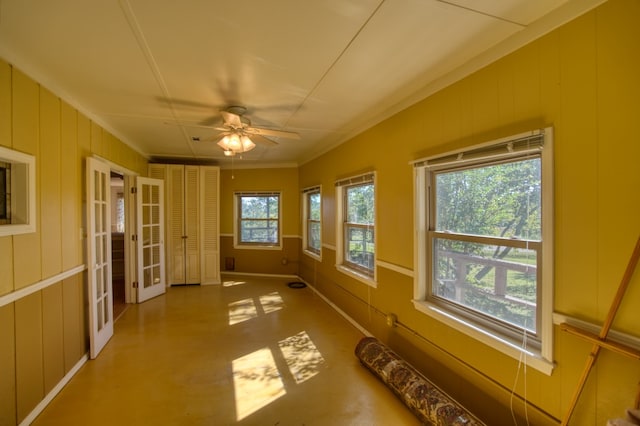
[{"x": 238, "y": 135}]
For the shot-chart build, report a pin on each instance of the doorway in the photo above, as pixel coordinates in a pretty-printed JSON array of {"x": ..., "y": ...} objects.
[{"x": 118, "y": 257}]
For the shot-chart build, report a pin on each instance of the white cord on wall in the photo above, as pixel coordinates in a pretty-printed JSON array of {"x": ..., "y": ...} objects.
[{"x": 522, "y": 362}]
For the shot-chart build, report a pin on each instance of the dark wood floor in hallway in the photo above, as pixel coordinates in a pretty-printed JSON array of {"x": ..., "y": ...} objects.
[{"x": 251, "y": 351}]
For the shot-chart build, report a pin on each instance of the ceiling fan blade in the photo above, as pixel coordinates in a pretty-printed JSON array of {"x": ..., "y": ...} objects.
[
  {"x": 269, "y": 132},
  {"x": 231, "y": 119},
  {"x": 262, "y": 140}
]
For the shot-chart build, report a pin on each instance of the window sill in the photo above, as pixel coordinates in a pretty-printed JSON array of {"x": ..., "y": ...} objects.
[
  {"x": 533, "y": 359},
  {"x": 357, "y": 275},
  {"x": 313, "y": 255},
  {"x": 256, "y": 247}
]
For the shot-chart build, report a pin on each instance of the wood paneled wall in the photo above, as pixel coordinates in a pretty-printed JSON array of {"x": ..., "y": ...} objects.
[
  {"x": 582, "y": 79},
  {"x": 43, "y": 334}
]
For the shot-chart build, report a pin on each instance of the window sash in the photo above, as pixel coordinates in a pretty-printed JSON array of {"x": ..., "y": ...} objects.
[
  {"x": 362, "y": 259},
  {"x": 250, "y": 228},
  {"x": 269, "y": 228},
  {"x": 499, "y": 298},
  {"x": 313, "y": 244}
]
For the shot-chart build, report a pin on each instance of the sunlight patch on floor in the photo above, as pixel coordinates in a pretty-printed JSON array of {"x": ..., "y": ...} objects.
[
  {"x": 246, "y": 309},
  {"x": 271, "y": 302},
  {"x": 257, "y": 382},
  {"x": 232, "y": 283},
  {"x": 242, "y": 310},
  {"x": 302, "y": 356}
]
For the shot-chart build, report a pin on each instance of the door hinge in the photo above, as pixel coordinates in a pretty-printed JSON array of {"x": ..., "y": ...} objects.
[
  {"x": 134, "y": 190},
  {"x": 135, "y": 284},
  {"x": 134, "y": 237}
]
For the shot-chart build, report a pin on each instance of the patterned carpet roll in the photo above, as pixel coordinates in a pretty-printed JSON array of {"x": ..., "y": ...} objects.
[{"x": 431, "y": 405}]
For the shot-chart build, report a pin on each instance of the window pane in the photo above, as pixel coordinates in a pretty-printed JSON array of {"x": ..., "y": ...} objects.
[
  {"x": 259, "y": 231},
  {"x": 314, "y": 235},
  {"x": 253, "y": 207},
  {"x": 272, "y": 207},
  {"x": 360, "y": 202},
  {"x": 498, "y": 281},
  {"x": 501, "y": 200},
  {"x": 314, "y": 206},
  {"x": 360, "y": 248}
]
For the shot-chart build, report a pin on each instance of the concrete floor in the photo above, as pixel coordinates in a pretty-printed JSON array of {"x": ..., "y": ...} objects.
[{"x": 251, "y": 351}]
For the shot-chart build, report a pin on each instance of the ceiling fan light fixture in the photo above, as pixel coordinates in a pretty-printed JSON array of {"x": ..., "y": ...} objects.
[
  {"x": 247, "y": 144},
  {"x": 236, "y": 143}
]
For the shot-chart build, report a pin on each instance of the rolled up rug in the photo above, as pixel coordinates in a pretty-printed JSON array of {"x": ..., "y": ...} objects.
[{"x": 428, "y": 402}]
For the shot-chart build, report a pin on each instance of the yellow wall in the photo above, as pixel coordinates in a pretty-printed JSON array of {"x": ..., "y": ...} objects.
[
  {"x": 283, "y": 261},
  {"x": 43, "y": 335},
  {"x": 582, "y": 79}
]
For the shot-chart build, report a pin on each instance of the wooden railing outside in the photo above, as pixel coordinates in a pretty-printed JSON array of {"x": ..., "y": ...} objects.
[{"x": 462, "y": 260}]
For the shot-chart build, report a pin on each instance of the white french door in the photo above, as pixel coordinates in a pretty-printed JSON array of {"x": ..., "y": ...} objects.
[
  {"x": 150, "y": 238},
  {"x": 99, "y": 255}
]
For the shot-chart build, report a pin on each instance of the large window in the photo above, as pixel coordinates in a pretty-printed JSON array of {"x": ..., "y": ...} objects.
[
  {"x": 356, "y": 231},
  {"x": 485, "y": 215},
  {"x": 258, "y": 219},
  {"x": 312, "y": 214}
]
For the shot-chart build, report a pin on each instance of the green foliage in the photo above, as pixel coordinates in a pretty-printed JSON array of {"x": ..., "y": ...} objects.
[
  {"x": 501, "y": 200},
  {"x": 258, "y": 207},
  {"x": 314, "y": 206},
  {"x": 360, "y": 204}
]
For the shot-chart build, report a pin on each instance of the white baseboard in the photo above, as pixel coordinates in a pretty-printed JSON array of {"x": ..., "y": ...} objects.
[
  {"x": 338, "y": 310},
  {"x": 55, "y": 391},
  {"x": 254, "y": 274}
]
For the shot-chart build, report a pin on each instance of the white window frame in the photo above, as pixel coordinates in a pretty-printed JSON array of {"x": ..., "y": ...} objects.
[
  {"x": 237, "y": 243},
  {"x": 306, "y": 221},
  {"x": 366, "y": 277},
  {"x": 23, "y": 192},
  {"x": 539, "y": 356}
]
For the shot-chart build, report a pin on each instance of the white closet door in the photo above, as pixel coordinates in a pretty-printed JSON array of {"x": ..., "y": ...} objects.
[
  {"x": 100, "y": 292},
  {"x": 210, "y": 226},
  {"x": 192, "y": 224},
  {"x": 175, "y": 218}
]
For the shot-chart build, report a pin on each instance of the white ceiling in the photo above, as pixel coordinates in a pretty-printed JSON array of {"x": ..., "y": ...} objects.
[{"x": 325, "y": 69}]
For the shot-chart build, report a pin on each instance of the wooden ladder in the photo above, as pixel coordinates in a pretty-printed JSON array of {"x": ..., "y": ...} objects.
[{"x": 600, "y": 340}]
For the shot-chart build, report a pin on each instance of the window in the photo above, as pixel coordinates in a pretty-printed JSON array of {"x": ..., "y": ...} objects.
[
  {"x": 312, "y": 214},
  {"x": 17, "y": 192},
  {"x": 355, "y": 251},
  {"x": 484, "y": 217},
  {"x": 258, "y": 219}
]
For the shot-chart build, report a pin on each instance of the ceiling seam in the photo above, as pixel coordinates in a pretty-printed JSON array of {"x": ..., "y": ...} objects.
[
  {"x": 479, "y": 12},
  {"x": 153, "y": 65},
  {"x": 335, "y": 62}
]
